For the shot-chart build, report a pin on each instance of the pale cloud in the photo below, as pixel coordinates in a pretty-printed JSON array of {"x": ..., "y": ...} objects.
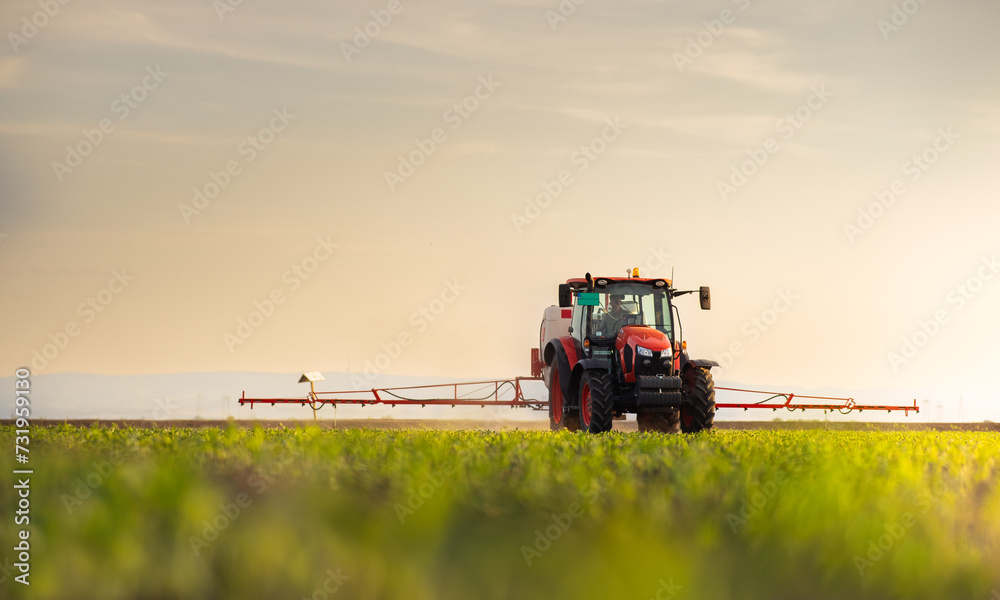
[
  {"x": 169, "y": 32},
  {"x": 762, "y": 70},
  {"x": 732, "y": 128}
]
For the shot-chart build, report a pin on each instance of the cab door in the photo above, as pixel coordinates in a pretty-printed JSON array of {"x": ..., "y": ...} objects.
[{"x": 581, "y": 317}]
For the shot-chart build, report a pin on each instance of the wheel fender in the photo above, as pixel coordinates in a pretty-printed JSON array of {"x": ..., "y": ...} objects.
[
  {"x": 563, "y": 353},
  {"x": 582, "y": 367},
  {"x": 704, "y": 363}
]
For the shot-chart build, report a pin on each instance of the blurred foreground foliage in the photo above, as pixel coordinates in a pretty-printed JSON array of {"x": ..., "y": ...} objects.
[{"x": 312, "y": 513}]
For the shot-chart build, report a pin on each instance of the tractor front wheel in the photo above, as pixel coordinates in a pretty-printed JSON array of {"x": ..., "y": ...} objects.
[
  {"x": 595, "y": 388},
  {"x": 698, "y": 414}
]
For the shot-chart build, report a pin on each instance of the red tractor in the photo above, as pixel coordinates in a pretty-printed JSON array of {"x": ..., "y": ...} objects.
[{"x": 613, "y": 346}]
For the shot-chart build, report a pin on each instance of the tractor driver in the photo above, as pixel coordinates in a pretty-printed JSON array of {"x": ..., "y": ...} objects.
[{"x": 616, "y": 313}]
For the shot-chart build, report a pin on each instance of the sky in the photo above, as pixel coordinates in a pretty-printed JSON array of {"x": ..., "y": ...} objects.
[{"x": 399, "y": 188}]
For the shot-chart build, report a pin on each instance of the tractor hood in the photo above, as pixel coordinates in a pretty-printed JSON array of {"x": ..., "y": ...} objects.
[
  {"x": 644, "y": 351},
  {"x": 639, "y": 335}
]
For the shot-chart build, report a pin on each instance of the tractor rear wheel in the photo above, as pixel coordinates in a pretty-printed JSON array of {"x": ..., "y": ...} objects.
[
  {"x": 661, "y": 422},
  {"x": 698, "y": 414},
  {"x": 555, "y": 401},
  {"x": 595, "y": 388}
]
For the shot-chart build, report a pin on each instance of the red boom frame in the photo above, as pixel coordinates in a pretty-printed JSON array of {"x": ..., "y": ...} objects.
[{"x": 508, "y": 392}]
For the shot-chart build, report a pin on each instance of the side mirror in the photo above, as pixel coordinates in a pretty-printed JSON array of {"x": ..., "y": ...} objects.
[
  {"x": 706, "y": 297},
  {"x": 565, "y": 296}
]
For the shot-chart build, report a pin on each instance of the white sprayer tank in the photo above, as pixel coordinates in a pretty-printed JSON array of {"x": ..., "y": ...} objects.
[{"x": 555, "y": 323}]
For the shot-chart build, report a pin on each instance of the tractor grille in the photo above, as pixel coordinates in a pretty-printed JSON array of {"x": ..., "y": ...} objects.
[{"x": 655, "y": 365}]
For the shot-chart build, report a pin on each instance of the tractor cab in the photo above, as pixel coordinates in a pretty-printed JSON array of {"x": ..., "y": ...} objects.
[
  {"x": 621, "y": 304},
  {"x": 626, "y": 322}
]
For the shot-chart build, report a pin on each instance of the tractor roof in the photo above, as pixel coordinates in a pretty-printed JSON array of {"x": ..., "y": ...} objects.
[{"x": 580, "y": 282}]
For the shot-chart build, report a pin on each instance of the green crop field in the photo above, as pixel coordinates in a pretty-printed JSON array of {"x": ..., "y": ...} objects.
[{"x": 311, "y": 513}]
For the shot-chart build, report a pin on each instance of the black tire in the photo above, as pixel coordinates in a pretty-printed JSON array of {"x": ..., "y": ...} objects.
[
  {"x": 571, "y": 416},
  {"x": 556, "y": 401},
  {"x": 699, "y": 413},
  {"x": 660, "y": 422},
  {"x": 602, "y": 408}
]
